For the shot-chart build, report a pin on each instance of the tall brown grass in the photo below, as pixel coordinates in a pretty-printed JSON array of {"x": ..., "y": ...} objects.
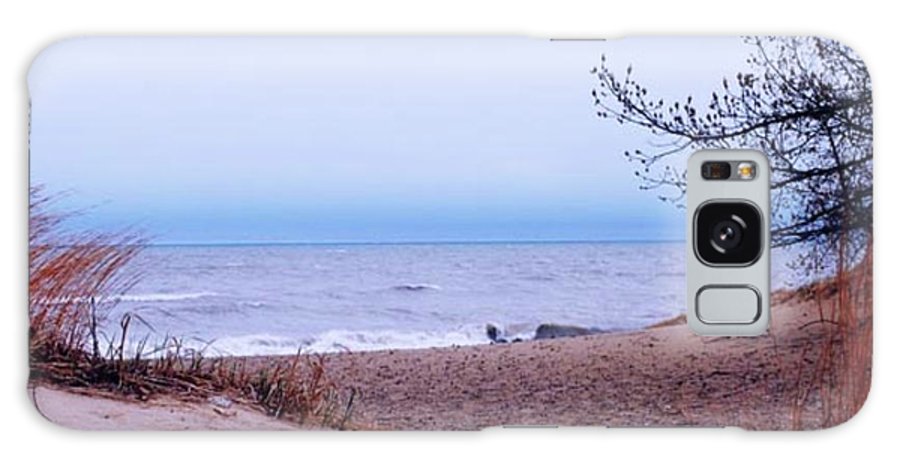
[
  {"x": 837, "y": 383},
  {"x": 73, "y": 279},
  {"x": 74, "y": 282}
]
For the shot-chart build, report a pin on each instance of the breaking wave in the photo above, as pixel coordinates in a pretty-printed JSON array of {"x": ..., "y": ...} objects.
[
  {"x": 336, "y": 341},
  {"x": 417, "y": 287}
]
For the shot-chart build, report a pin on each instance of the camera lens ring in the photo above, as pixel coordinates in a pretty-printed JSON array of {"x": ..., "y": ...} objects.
[{"x": 743, "y": 243}]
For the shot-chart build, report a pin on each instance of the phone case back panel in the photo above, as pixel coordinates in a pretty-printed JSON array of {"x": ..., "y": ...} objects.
[{"x": 435, "y": 233}]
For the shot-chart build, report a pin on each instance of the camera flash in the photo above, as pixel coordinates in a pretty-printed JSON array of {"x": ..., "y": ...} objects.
[{"x": 746, "y": 170}]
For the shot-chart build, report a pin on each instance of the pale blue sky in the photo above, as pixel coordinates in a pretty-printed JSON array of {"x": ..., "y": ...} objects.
[{"x": 305, "y": 139}]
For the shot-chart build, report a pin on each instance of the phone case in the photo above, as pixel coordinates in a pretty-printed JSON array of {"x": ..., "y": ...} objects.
[{"x": 435, "y": 233}]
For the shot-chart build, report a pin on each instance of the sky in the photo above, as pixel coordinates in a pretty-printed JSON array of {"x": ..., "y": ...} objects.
[{"x": 228, "y": 140}]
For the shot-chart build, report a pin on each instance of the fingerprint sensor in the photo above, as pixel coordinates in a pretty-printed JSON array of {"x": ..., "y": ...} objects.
[{"x": 728, "y": 304}]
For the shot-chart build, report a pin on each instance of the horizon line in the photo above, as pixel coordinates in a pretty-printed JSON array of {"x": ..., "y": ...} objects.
[{"x": 406, "y": 242}]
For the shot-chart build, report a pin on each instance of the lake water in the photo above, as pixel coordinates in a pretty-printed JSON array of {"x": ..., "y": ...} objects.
[{"x": 276, "y": 299}]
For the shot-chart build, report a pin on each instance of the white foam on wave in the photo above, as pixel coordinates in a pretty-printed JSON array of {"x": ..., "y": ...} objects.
[
  {"x": 255, "y": 345},
  {"x": 336, "y": 341},
  {"x": 136, "y": 298},
  {"x": 413, "y": 287},
  {"x": 242, "y": 345},
  {"x": 254, "y": 304},
  {"x": 150, "y": 297},
  {"x": 372, "y": 340}
]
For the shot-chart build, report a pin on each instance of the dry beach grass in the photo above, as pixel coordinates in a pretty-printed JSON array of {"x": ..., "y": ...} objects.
[{"x": 73, "y": 281}]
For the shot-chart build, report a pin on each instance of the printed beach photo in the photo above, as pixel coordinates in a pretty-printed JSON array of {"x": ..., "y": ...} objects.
[{"x": 435, "y": 233}]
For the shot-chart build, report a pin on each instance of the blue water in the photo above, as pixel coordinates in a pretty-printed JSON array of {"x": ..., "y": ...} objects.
[{"x": 276, "y": 299}]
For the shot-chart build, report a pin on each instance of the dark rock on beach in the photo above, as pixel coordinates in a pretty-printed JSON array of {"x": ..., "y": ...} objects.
[
  {"x": 493, "y": 334},
  {"x": 544, "y": 331},
  {"x": 547, "y": 331}
]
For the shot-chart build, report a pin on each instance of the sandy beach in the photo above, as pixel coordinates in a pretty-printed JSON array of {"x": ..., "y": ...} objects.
[
  {"x": 89, "y": 410},
  {"x": 662, "y": 376}
]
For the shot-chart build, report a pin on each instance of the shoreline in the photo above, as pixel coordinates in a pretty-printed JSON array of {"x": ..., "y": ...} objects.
[{"x": 649, "y": 377}]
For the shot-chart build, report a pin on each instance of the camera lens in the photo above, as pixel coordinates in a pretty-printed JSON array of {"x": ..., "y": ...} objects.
[{"x": 728, "y": 233}]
